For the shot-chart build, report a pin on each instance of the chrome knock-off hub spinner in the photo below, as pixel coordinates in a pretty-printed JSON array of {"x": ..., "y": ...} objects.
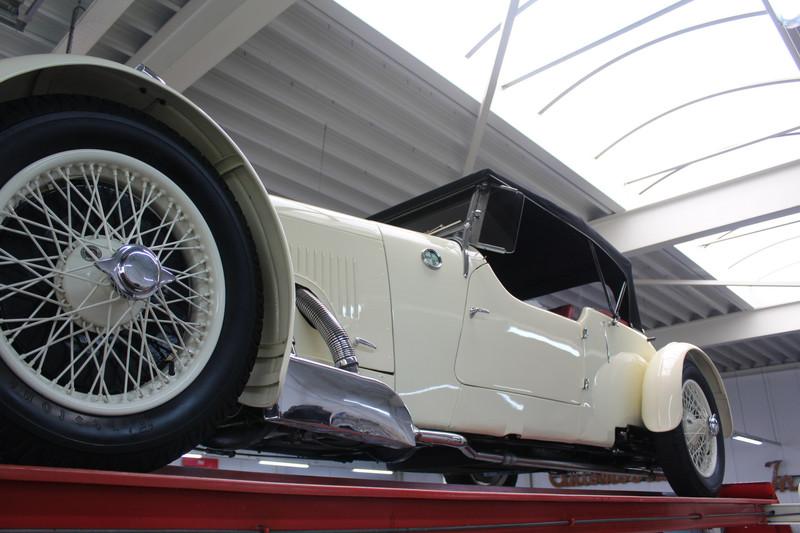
[
  {"x": 86, "y": 291},
  {"x": 135, "y": 272},
  {"x": 713, "y": 425}
]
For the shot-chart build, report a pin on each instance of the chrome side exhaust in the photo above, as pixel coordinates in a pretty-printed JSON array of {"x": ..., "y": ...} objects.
[
  {"x": 454, "y": 440},
  {"x": 332, "y": 332},
  {"x": 368, "y": 411}
]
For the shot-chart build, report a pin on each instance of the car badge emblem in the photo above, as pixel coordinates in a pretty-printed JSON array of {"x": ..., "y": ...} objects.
[{"x": 431, "y": 258}]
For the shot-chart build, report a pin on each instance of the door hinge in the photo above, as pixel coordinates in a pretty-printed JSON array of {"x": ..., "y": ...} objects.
[{"x": 585, "y": 383}]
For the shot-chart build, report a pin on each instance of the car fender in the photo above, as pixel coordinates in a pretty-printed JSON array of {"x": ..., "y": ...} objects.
[
  {"x": 88, "y": 76},
  {"x": 662, "y": 404}
]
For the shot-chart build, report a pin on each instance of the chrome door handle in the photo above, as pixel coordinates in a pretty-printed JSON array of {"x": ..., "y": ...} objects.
[{"x": 475, "y": 310}]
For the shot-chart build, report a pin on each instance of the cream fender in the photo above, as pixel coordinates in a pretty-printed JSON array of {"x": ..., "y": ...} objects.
[{"x": 662, "y": 406}]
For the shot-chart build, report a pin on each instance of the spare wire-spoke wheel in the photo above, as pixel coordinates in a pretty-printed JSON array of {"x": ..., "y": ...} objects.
[{"x": 122, "y": 259}]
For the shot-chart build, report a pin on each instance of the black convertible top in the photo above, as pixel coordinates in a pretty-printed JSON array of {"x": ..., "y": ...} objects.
[{"x": 551, "y": 252}]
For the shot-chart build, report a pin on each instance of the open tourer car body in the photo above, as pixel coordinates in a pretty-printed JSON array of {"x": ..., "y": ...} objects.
[{"x": 154, "y": 298}]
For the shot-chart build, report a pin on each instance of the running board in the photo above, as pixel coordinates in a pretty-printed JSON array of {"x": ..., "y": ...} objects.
[{"x": 454, "y": 440}]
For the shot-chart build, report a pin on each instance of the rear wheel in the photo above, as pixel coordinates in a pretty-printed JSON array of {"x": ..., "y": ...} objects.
[
  {"x": 487, "y": 479},
  {"x": 129, "y": 292},
  {"x": 693, "y": 454}
]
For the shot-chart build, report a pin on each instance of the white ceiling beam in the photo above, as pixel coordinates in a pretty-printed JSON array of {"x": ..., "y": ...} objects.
[
  {"x": 761, "y": 196},
  {"x": 486, "y": 104},
  {"x": 791, "y": 45},
  {"x": 203, "y": 33},
  {"x": 760, "y": 370},
  {"x": 733, "y": 327},
  {"x": 641, "y": 282},
  {"x": 93, "y": 24}
]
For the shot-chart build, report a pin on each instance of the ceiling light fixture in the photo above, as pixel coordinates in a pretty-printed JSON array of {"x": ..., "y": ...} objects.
[
  {"x": 748, "y": 440},
  {"x": 371, "y": 471},
  {"x": 281, "y": 463},
  {"x": 753, "y": 439}
]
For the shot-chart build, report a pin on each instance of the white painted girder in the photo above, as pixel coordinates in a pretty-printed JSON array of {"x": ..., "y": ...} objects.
[
  {"x": 761, "y": 196},
  {"x": 733, "y": 327},
  {"x": 486, "y": 104},
  {"x": 203, "y": 33},
  {"x": 92, "y": 25}
]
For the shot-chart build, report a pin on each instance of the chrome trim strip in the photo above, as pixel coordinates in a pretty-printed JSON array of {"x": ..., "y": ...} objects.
[{"x": 144, "y": 69}]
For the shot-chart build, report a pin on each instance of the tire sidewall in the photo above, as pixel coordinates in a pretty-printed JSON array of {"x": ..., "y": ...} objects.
[{"x": 98, "y": 126}]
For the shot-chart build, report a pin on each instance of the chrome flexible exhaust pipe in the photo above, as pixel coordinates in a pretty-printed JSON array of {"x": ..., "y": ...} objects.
[
  {"x": 454, "y": 440},
  {"x": 332, "y": 332}
]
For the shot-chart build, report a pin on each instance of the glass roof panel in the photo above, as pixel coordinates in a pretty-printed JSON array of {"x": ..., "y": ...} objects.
[
  {"x": 650, "y": 71},
  {"x": 765, "y": 252},
  {"x": 662, "y": 79}
]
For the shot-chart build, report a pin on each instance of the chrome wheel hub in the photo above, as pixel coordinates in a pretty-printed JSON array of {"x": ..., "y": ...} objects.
[
  {"x": 713, "y": 425},
  {"x": 112, "y": 284},
  {"x": 135, "y": 272},
  {"x": 87, "y": 292}
]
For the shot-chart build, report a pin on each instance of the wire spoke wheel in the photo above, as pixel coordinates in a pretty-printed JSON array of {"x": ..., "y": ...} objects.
[
  {"x": 112, "y": 283},
  {"x": 692, "y": 454},
  {"x": 121, "y": 250},
  {"x": 698, "y": 424}
]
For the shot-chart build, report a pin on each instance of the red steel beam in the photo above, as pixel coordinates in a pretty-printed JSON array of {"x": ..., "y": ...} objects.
[{"x": 48, "y": 498}]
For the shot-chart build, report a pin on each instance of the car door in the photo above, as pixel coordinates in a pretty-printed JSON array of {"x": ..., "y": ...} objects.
[{"x": 512, "y": 346}]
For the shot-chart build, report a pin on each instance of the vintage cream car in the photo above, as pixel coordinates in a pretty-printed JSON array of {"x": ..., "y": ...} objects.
[{"x": 154, "y": 298}]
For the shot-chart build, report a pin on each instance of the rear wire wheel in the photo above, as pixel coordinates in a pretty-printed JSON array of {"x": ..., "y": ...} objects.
[
  {"x": 123, "y": 258},
  {"x": 693, "y": 454}
]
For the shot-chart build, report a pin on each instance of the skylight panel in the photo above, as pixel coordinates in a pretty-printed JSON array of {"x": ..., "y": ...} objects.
[
  {"x": 735, "y": 45},
  {"x": 725, "y": 53},
  {"x": 763, "y": 253}
]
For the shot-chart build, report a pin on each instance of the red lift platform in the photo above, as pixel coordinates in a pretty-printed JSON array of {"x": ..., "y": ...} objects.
[{"x": 35, "y": 498}]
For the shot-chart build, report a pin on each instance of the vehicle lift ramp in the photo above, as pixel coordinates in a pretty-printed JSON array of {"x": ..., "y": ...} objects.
[{"x": 184, "y": 499}]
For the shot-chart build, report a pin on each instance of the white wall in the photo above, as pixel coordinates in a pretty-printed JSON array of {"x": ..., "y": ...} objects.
[{"x": 766, "y": 405}]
